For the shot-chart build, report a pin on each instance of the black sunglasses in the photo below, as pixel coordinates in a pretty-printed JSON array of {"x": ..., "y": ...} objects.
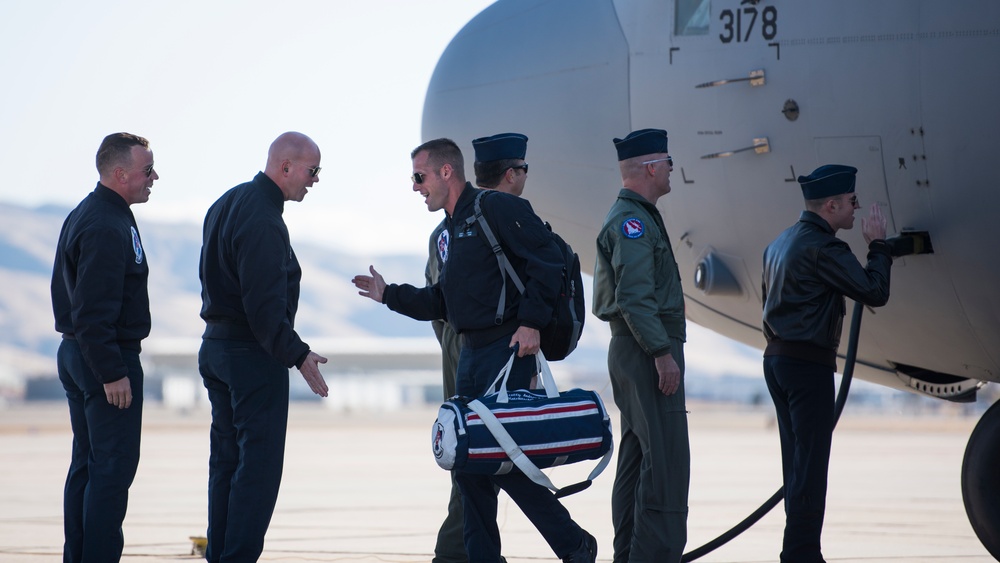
[
  {"x": 313, "y": 170},
  {"x": 521, "y": 167},
  {"x": 418, "y": 177}
]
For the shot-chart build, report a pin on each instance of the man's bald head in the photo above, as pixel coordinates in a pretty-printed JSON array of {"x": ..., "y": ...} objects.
[
  {"x": 293, "y": 164},
  {"x": 290, "y": 146}
]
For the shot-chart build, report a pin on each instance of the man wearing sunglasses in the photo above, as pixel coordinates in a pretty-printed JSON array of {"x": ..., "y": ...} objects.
[
  {"x": 807, "y": 273},
  {"x": 250, "y": 293},
  {"x": 500, "y": 162},
  {"x": 101, "y": 307},
  {"x": 500, "y": 166},
  {"x": 466, "y": 295},
  {"x": 637, "y": 290}
]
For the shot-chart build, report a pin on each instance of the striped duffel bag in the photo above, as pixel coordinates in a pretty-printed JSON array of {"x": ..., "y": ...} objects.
[{"x": 526, "y": 429}]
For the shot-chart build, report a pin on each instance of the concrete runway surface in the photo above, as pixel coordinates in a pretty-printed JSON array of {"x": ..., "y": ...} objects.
[{"x": 363, "y": 487}]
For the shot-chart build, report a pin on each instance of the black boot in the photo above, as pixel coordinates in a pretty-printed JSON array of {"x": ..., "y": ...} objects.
[{"x": 586, "y": 553}]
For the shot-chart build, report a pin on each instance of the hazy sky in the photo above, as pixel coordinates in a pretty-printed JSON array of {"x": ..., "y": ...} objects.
[{"x": 210, "y": 84}]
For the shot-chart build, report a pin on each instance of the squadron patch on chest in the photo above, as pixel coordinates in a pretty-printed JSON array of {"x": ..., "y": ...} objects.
[
  {"x": 442, "y": 244},
  {"x": 136, "y": 246},
  {"x": 633, "y": 227}
]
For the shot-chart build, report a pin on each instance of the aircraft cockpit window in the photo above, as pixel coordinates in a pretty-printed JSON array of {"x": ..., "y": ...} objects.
[{"x": 691, "y": 17}]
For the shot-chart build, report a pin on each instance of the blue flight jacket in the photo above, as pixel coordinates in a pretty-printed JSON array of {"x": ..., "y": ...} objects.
[{"x": 99, "y": 282}]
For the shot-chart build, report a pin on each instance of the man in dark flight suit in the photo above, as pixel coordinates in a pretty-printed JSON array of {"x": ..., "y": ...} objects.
[
  {"x": 466, "y": 295},
  {"x": 499, "y": 166},
  {"x": 250, "y": 293},
  {"x": 101, "y": 307},
  {"x": 807, "y": 273}
]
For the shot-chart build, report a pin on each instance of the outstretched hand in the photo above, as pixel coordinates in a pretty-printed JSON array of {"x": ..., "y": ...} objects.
[
  {"x": 372, "y": 286},
  {"x": 310, "y": 372}
]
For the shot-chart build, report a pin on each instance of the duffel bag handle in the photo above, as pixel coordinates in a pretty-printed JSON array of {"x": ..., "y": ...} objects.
[
  {"x": 549, "y": 382},
  {"x": 542, "y": 369}
]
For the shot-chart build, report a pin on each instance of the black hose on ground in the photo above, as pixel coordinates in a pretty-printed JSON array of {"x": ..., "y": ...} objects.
[{"x": 845, "y": 387}]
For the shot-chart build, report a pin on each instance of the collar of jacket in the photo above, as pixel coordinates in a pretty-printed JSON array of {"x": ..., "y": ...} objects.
[
  {"x": 107, "y": 194},
  {"x": 810, "y": 217},
  {"x": 626, "y": 193},
  {"x": 466, "y": 199},
  {"x": 271, "y": 190}
]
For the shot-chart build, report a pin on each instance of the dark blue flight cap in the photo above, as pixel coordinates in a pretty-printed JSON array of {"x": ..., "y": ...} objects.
[
  {"x": 502, "y": 146},
  {"x": 828, "y": 180},
  {"x": 641, "y": 142}
]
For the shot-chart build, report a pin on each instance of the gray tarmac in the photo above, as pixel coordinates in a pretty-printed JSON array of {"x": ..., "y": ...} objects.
[{"x": 363, "y": 487}]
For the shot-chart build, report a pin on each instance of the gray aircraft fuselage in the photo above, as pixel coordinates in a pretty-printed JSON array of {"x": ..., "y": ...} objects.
[
  {"x": 754, "y": 93},
  {"x": 908, "y": 92}
]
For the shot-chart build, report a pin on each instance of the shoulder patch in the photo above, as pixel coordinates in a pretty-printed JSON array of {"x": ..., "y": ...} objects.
[
  {"x": 633, "y": 227},
  {"x": 442, "y": 246},
  {"x": 136, "y": 245}
]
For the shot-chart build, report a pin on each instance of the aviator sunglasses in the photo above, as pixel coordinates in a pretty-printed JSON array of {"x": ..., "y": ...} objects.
[
  {"x": 419, "y": 177},
  {"x": 313, "y": 170}
]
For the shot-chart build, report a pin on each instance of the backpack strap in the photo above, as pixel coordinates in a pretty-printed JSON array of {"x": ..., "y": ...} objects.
[{"x": 502, "y": 262}]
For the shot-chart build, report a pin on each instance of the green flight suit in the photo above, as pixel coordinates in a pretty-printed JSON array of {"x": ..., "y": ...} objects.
[
  {"x": 637, "y": 289},
  {"x": 450, "y": 545}
]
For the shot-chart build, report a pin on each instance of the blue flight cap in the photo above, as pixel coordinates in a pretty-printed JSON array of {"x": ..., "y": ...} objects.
[
  {"x": 828, "y": 180},
  {"x": 502, "y": 146},
  {"x": 640, "y": 143}
]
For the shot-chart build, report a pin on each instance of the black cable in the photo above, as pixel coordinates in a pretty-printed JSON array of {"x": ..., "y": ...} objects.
[{"x": 845, "y": 387}]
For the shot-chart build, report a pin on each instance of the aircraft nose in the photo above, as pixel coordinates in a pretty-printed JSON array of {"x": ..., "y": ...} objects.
[
  {"x": 545, "y": 77},
  {"x": 545, "y": 84}
]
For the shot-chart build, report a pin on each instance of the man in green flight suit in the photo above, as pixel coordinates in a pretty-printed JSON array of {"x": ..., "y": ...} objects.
[{"x": 637, "y": 289}]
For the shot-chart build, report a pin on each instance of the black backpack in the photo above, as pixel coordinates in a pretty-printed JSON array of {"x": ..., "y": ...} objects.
[{"x": 561, "y": 335}]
